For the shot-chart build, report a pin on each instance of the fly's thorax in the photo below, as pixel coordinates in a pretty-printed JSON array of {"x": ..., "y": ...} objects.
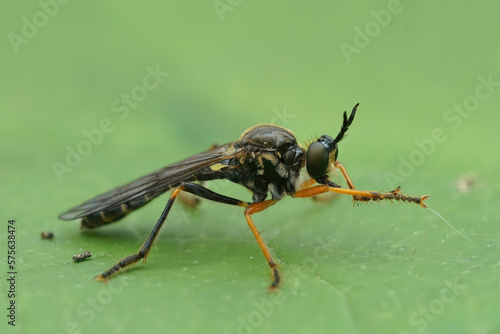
[{"x": 272, "y": 162}]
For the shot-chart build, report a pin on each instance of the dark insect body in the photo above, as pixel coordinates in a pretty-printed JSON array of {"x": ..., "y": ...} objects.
[{"x": 266, "y": 159}]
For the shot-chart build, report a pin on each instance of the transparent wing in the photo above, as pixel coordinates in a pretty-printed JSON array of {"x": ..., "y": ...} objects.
[{"x": 155, "y": 183}]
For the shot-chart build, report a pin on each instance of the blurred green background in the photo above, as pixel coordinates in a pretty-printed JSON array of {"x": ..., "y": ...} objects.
[{"x": 426, "y": 75}]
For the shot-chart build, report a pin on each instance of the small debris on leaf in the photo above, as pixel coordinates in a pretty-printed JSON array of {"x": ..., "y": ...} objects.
[
  {"x": 82, "y": 257},
  {"x": 47, "y": 235},
  {"x": 466, "y": 182}
]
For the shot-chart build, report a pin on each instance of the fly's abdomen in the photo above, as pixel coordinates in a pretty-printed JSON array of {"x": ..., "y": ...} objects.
[{"x": 117, "y": 212}]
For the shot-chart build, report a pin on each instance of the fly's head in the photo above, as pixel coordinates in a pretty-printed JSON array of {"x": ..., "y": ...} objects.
[{"x": 322, "y": 154}]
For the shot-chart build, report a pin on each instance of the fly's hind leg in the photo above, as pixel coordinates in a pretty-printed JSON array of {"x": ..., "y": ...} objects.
[
  {"x": 190, "y": 200},
  {"x": 143, "y": 252}
]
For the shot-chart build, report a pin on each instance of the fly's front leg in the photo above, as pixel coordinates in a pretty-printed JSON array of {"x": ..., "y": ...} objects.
[
  {"x": 348, "y": 180},
  {"x": 350, "y": 184},
  {"x": 364, "y": 195},
  {"x": 344, "y": 174},
  {"x": 325, "y": 180},
  {"x": 192, "y": 188}
]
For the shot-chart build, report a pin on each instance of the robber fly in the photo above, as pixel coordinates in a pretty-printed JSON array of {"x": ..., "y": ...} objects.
[{"x": 266, "y": 159}]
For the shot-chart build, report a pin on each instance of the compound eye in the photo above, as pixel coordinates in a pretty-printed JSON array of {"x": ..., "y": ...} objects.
[{"x": 317, "y": 160}]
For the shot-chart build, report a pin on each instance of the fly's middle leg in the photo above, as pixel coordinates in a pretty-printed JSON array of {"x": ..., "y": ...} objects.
[{"x": 249, "y": 211}]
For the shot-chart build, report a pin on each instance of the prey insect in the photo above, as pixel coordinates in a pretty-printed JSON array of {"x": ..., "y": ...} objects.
[{"x": 266, "y": 159}]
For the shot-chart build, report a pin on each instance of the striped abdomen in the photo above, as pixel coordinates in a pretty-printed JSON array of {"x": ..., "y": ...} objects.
[{"x": 115, "y": 213}]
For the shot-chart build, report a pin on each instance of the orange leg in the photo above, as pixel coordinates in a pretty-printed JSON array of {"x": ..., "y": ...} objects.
[
  {"x": 347, "y": 179},
  {"x": 360, "y": 195},
  {"x": 249, "y": 211},
  {"x": 308, "y": 183},
  {"x": 363, "y": 196},
  {"x": 344, "y": 174}
]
